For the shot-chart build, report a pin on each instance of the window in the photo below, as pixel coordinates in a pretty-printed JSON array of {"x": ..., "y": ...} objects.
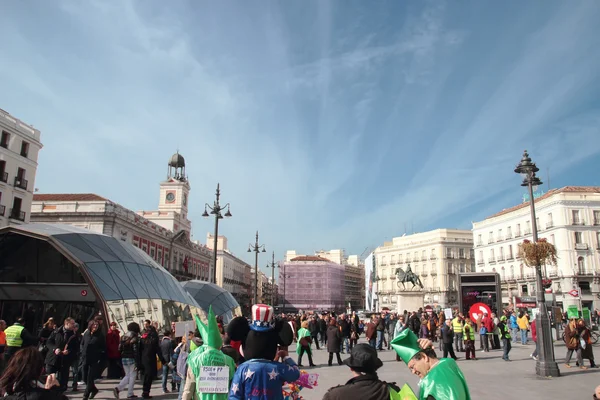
[
  {"x": 510, "y": 252},
  {"x": 537, "y": 223},
  {"x": 20, "y": 180},
  {"x": 576, "y": 219},
  {"x": 492, "y": 258},
  {"x": 578, "y": 238},
  {"x": 596, "y": 217},
  {"x": 503, "y": 273},
  {"x": 481, "y": 257},
  {"x": 499, "y": 234},
  {"x": 479, "y": 240},
  {"x": 509, "y": 232},
  {"x": 490, "y": 237},
  {"x": 433, "y": 268},
  {"x": 3, "y": 173},
  {"x": 152, "y": 253},
  {"x": 392, "y": 259},
  {"x": 461, "y": 253},
  {"x": 512, "y": 272},
  {"x": 527, "y": 227},
  {"x": 598, "y": 240},
  {"x": 448, "y": 253},
  {"x": 518, "y": 230},
  {"x": 450, "y": 268},
  {"x": 550, "y": 223},
  {"x": 462, "y": 268},
  {"x": 424, "y": 255},
  {"x": 5, "y": 139},
  {"x": 24, "y": 148},
  {"x": 501, "y": 253},
  {"x": 400, "y": 258},
  {"x": 581, "y": 265}
]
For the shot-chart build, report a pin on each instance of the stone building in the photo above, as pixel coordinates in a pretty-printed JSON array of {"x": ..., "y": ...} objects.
[{"x": 148, "y": 230}]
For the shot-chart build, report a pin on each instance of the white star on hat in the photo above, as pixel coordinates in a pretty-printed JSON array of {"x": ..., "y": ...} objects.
[
  {"x": 273, "y": 374},
  {"x": 234, "y": 388},
  {"x": 248, "y": 374}
]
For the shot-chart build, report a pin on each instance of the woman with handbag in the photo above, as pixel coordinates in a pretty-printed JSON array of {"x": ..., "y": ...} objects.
[
  {"x": 586, "y": 343},
  {"x": 303, "y": 344},
  {"x": 572, "y": 337}
]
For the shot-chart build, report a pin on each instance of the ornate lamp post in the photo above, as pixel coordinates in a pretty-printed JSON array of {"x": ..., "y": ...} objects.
[
  {"x": 273, "y": 266},
  {"x": 546, "y": 364},
  {"x": 256, "y": 248},
  {"x": 216, "y": 210}
]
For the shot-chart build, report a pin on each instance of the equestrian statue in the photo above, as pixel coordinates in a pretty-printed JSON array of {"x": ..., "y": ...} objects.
[{"x": 408, "y": 276}]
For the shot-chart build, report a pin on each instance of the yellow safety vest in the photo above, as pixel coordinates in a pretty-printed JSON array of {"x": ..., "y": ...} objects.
[
  {"x": 469, "y": 333},
  {"x": 457, "y": 326},
  {"x": 13, "y": 336}
]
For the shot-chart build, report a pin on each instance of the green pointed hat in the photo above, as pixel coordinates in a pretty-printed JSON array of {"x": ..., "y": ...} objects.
[
  {"x": 210, "y": 332},
  {"x": 406, "y": 345}
]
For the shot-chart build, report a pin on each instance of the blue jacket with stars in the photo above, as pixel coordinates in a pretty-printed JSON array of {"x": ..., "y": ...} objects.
[{"x": 262, "y": 379}]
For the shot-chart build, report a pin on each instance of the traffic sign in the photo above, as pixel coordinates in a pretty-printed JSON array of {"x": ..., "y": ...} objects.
[
  {"x": 84, "y": 292},
  {"x": 477, "y": 310},
  {"x": 574, "y": 293}
]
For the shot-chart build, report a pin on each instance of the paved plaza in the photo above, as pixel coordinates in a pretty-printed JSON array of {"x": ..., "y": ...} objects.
[{"x": 489, "y": 378}]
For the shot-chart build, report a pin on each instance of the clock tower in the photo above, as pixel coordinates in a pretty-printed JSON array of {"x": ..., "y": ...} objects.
[{"x": 174, "y": 196}]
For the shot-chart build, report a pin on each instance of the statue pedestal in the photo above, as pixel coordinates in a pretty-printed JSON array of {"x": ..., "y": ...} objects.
[{"x": 410, "y": 300}]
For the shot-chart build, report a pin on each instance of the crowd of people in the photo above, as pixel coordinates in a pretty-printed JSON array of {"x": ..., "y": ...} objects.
[{"x": 63, "y": 356}]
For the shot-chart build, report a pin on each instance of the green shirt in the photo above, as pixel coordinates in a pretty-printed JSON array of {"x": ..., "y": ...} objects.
[
  {"x": 303, "y": 332},
  {"x": 445, "y": 381},
  {"x": 206, "y": 356}
]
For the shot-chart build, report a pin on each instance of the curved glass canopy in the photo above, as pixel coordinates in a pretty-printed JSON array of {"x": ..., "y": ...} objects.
[{"x": 207, "y": 294}]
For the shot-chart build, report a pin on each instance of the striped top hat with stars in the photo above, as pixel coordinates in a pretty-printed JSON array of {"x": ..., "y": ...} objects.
[{"x": 262, "y": 318}]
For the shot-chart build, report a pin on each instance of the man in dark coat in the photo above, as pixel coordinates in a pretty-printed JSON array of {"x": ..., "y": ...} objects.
[
  {"x": 149, "y": 349},
  {"x": 323, "y": 329},
  {"x": 313, "y": 327},
  {"x": 62, "y": 350},
  {"x": 414, "y": 323},
  {"x": 365, "y": 383},
  {"x": 448, "y": 339},
  {"x": 345, "y": 330}
]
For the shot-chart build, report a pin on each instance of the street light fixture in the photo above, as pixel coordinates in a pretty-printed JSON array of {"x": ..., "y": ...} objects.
[
  {"x": 216, "y": 211},
  {"x": 546, "y": 364},
  {"x": 273, "y": 266},
  {"x": 256, "y": 248}
]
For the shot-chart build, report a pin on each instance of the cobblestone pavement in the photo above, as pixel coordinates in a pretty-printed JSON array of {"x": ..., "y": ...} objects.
[{"x": 489, "y": 377}]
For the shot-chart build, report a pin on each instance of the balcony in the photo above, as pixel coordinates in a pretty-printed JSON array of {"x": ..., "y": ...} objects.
[
  {"x": 517, "y": 234},
  {"x": 585, "y": 272},
  {"x": 499, "y": 239},
  {"x": 577, "y": 222},
  {"x": 480, "y": 243},
  {"x": 500, "y": 258},
  {"x": 549, "y": 225},
  {"x": 508, "y": 236},
  {"x": 2, "y": 210},
  {"x": 527, "y": 232},
  {"x": 432, "y": 257},
  {"x": 20, "y": 183},
  {"x": 492, "y": 260},
  {"x": 425, "y": 273},
  {"x": 17, "y": 214},
  {"x": 596, "y": 222},
  {"x": 4, "y": 177},
  {"x": 433, "y": 273},
  {"x": 581, "y": 246},
  {"x": 451, "y": 272},
  {"x": 423, "y": 258},
  {"x": 510, "y": 257},
  {"x": 480, "y": 262}
]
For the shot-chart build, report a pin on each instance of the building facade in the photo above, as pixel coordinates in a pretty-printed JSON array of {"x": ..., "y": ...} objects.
[
  {"x": 569, "y": 218},
  {"x": 312, "y": 283},
  {"x": 233, "y": 274},
  {"x": 171, "y": 249},
  {"x": 437, "y": 257},
  {"x": 19, "y": 148}
]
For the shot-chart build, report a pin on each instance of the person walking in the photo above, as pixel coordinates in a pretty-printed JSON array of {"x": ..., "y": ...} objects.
[
  {"x": 587, "y": 351},
  {"x": 390, "y": 326},
  {"x": 149, "y": 350},
  {"x": 75, "y": 356},
  {"x": 17, "y": 337},
  {"x": 47, "y": 329},
  {"x": 345, "y": 330},
  {"x": 323, "y": 329},
  {"x": 505, "y": 337},
  {"x": 313, "y": 327},
  {"x": 93, "y": 353},
  {"x": 514, "y": 327},
  {"x": 457, "y": 327},
  {"x": 533, "y": 355},
  {"x": 130, "y": 359},
  {"x": 167, "y": 347},
  {"x": 523, "y": 324},
  {"x": 334, "y": 341},
  {"x": 61, "y": 351},
  {"x": 113, "y": 339},
  {"x": 448, "y": 339},
  {"x": 303, "y": 344},
  {"x": 371, "y": 333},
  {"x": 496, "y": 337},
  {"x": 469, "y": 339},
  {"x": 572, "y": 336},
  {"x": 380, "y": 327}
]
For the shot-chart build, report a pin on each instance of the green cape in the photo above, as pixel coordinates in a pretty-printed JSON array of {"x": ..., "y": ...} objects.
[
  {"x": 303, "y": 332},
  {"x": 445, "y": 381}
]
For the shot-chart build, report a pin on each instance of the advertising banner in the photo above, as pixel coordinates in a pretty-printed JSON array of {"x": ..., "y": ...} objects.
[{"x": 370, "y": 283}]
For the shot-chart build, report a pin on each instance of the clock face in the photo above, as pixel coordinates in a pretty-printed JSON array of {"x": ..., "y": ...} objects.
[{"x": 170, "y": 197}]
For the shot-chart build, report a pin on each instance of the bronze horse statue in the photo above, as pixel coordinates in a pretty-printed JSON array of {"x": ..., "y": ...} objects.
[{"x": 408, "y": 276}]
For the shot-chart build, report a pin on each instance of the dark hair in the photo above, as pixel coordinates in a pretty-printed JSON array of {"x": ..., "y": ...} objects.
[
  {"x": 92, "y": 323},
  {"x": 167, "y": 332},
  {"x": 20, "y": 320},
  {"x": 430, "y": 352},
  {"x": 24, "y": 367},
  {"x": 147, "y": 321},
  {"x": 133, "y": 327},
  {"x": 332, "y": 322}
]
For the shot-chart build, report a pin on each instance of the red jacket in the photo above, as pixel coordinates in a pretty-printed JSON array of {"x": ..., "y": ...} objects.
[
  {"x": 113, "y": 338},
  {"x": 533, "y": 328}
]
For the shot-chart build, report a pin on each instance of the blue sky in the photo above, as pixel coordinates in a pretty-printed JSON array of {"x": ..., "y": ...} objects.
[{"x": 329, "y": 124}]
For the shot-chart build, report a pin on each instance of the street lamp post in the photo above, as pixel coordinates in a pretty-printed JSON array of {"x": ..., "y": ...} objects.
[
  {"x": 546, "y": 364},
  {"x": 256, "y": 248},
  {"x": 216, "y": 210},
  {"x": 272, "y": 266}
]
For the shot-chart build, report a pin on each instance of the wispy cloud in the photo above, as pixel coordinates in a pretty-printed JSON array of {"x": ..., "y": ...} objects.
[{"x": 329, "y": 125}]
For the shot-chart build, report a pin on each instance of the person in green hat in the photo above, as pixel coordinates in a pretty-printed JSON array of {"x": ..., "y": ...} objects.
[
  {"x": 441, "y": 379},
  {"x": 202, "y": 360}
]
